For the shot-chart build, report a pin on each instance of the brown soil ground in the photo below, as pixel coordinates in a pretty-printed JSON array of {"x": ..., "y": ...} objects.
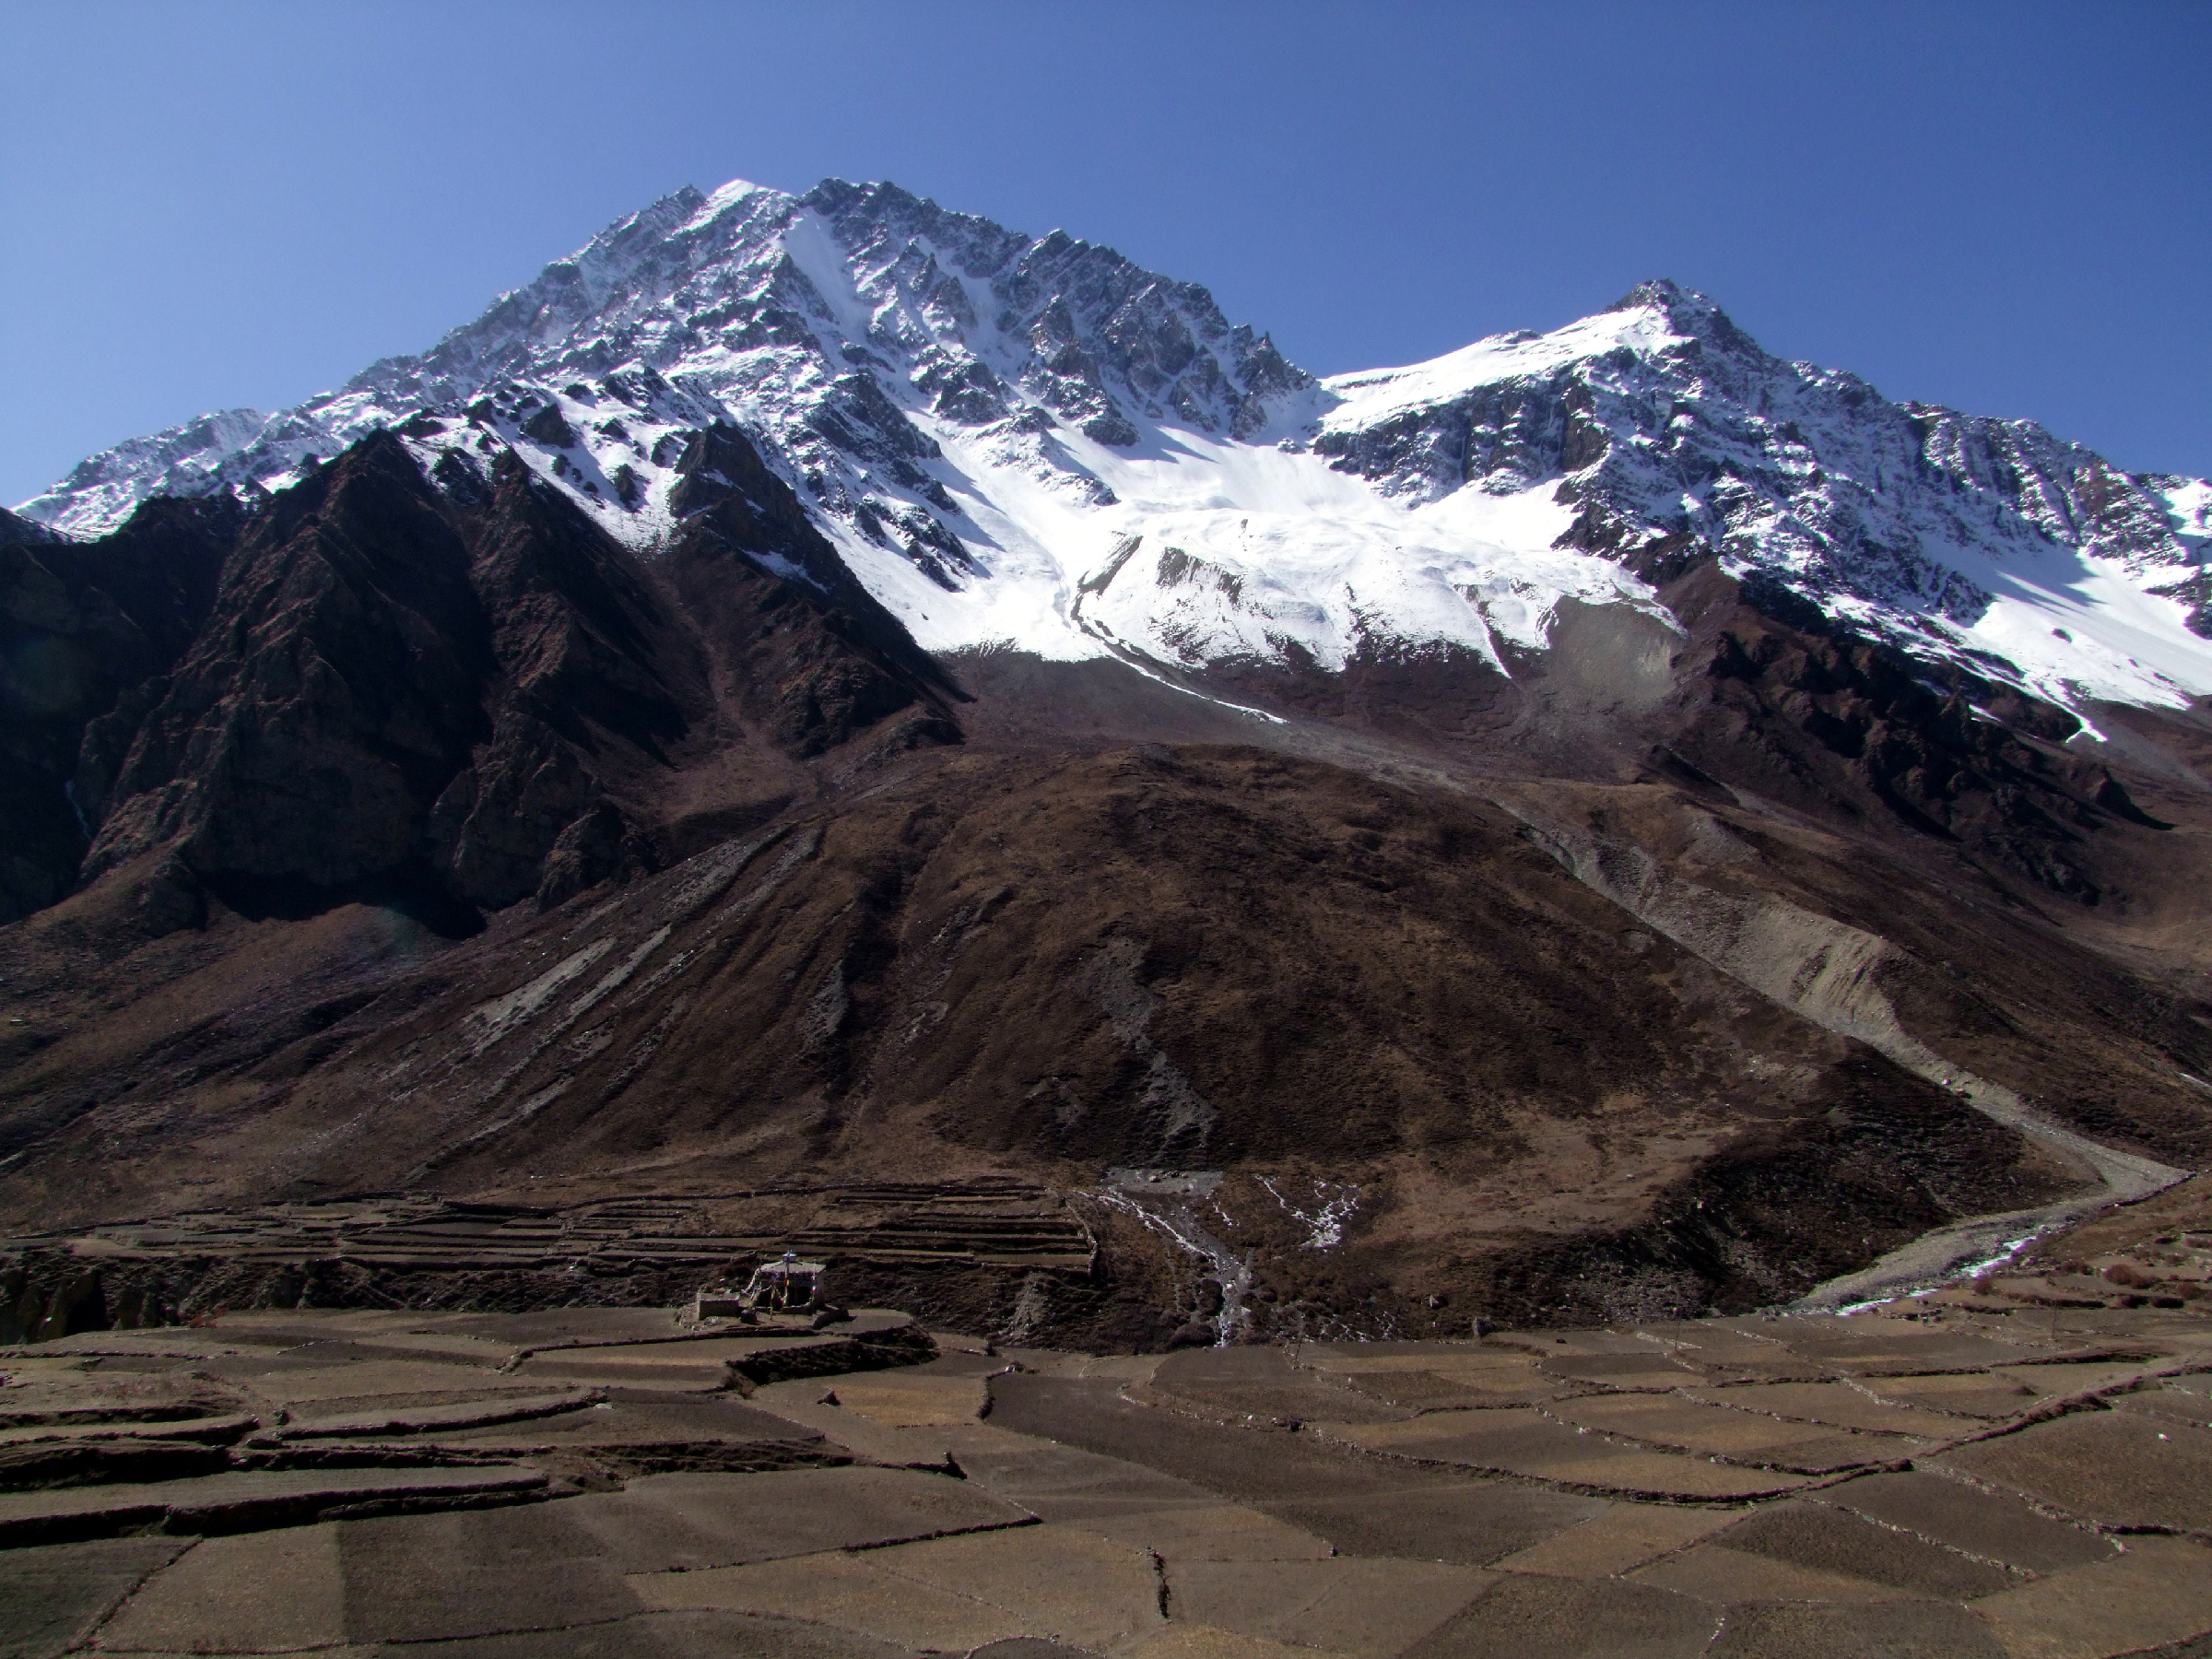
[{"x": 1971, "y": 1476}]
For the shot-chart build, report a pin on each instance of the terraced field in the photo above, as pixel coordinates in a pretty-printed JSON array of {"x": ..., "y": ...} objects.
[
  {"x": 422, "y": 1251},
  {"x": 1996, "y": 1470}
]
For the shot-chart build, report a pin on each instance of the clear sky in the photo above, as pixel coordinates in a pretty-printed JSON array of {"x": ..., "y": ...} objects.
[{"x": 2007, "y": 208}]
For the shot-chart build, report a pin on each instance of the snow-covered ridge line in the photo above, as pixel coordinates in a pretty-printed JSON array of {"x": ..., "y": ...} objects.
[{"x": 1030, "y": 441}]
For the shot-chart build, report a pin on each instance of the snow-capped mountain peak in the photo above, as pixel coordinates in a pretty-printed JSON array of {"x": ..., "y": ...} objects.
[{"x": 1033, "y": 441}]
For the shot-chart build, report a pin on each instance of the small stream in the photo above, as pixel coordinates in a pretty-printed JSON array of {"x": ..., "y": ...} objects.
[
  {"x": 1830, "y": 973},
  {"x": 1946, "y": 1255},
  {"x": 1162, "y": 1200},
  {"x": 1977, "y": 1243}
]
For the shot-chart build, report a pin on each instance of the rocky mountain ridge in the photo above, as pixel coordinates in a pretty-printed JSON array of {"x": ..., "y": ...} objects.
[
  {"x": 450, "y": 686},
  {"x": 1032, "y": 441}
]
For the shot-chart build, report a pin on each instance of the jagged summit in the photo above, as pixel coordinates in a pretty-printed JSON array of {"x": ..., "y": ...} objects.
[
  {"x": 1030, "y": 440},
  {"x": 1687, "y": 312}
]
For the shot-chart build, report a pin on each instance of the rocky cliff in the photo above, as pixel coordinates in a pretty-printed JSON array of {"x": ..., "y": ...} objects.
[{"x": 451, "y": 685}]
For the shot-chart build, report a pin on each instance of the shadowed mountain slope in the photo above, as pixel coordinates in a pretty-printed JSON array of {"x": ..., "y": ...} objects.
[
  {"x": 460, "y": 690},
  {"x": 825, "y": 695},
  {"x": 464, "y": 850}
]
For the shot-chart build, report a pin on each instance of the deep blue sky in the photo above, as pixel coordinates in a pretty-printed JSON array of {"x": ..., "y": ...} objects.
[{"x": 2007, "y": 208}]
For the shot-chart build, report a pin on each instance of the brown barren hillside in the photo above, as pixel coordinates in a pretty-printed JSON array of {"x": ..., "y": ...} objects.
[{"x": 455, "y": 849}]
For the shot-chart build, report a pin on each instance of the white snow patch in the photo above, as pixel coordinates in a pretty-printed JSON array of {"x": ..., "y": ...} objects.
[{"x": 928, "y": 399}]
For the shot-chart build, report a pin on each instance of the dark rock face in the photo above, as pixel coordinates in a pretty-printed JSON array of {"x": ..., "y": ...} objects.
[
  {"x": 70, "y": 1302},
  {"x": 495, "y": 823},
  {"x": 86, "y": 633},
  {"x": 584, "y": 644},
  {"x": 14, "y": 529},
  {"x": 586, "y": 854},
  {"x": 828, "y": 660},
  {"x": 1515, "y": 433},
  {"x": 459, "y": 683},
  {"x": 549, "y": 425},
  {"x": 1808, "y": 713},
  {"x": 329, "y": 699}
]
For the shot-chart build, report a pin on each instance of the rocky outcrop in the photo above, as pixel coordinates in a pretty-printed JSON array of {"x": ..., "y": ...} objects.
[
  {"x": 14, "y": 529},
  {"x": 457, "y": 683},
  {"x": 1792, "y": 706},
  {"x": 86, "y": 633},
  {"x": 821, "y": 659},
  {"x": 1509, "y": 435},
  {"x": 333, "y": 695},
  {"x": 594, "y": 677}
]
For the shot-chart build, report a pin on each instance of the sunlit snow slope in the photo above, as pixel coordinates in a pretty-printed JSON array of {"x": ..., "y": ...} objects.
[{"x": 1032, "y": 441}]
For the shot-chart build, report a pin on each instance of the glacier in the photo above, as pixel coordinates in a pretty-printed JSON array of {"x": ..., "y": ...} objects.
[{"x": 1032, "y": 442}]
